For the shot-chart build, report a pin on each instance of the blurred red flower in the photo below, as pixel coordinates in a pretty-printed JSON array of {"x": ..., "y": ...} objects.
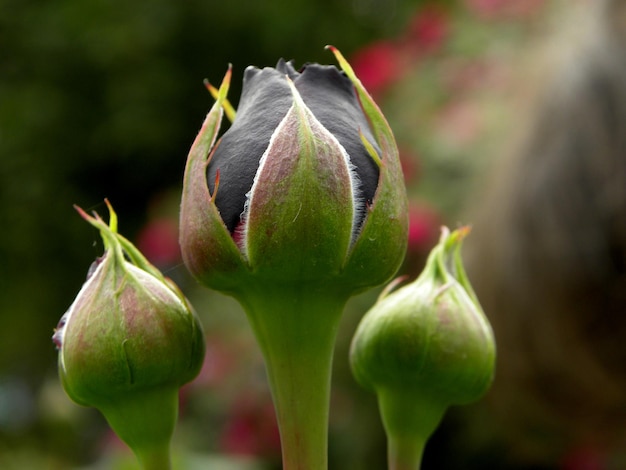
[
  {"x": 427, "y": 31},
  {"x": 410, "y": 165},
  {"x": 424, "y": 228},
  {"x": 584, "y": 458},
  {"x": 251, "y": 429},
  {"x": 378, "y": 65},
  {"x": 158, "y": 241}
]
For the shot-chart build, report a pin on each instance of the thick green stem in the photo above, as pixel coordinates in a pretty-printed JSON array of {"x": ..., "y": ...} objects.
[
  {"x": 296, "y": 330},
  {"x": 404, "y": 454},
  {"x": 157, "y": 458},
  {"x": 409, "y": 421},
  {"x": 145, "y": 421}
]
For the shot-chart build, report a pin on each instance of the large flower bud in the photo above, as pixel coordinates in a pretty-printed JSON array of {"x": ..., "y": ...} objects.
[
  {"x": 300, "y": 205},
  {"x": 305, "y": 185},
  {"x": 425, "y": 347},
  {"x": 128, "y": 342}
]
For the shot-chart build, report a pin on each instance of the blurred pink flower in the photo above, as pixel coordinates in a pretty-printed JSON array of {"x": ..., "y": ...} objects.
[
  {"x": 459, "y": 122},
  {"x": 495, "y": 9},
  {"x": 158, "y": 241},
  {"x": 427, "y": 31},
  {"x": 462, "y": 76}
]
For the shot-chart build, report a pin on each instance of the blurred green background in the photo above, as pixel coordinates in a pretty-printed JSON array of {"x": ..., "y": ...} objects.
[{"x": 102, "y": 98}]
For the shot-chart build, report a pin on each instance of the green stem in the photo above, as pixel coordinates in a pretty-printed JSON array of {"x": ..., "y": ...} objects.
[
  {"x": 404, "y": 454},
  {"x": 409, "y": 421},
  {"x": 157, "y": 458},
  {"x": 145, "y": 421},
  {"x": 296, "y": 330}
]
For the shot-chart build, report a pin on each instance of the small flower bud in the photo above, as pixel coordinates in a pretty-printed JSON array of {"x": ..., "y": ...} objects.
[
  {"x": 426, "y": 346},
  {"x": 128, "y": 342}
]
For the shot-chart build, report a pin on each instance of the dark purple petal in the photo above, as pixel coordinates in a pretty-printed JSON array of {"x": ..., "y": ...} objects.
[
  {"x": 264, "y": 102},
  {"x": 330, "y": 95}
]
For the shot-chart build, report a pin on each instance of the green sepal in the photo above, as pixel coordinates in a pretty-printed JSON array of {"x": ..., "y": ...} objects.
[
  {"x": 381, "y": 244},
  {"x": 300, "y": 214},
  {"x": 208, "y": 249},
  {"x": 228, "y": 108}
]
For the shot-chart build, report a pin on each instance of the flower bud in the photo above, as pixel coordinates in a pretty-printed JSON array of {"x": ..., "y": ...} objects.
[
  {"x": 298, "y": 206},
  {"x": 305, "y": 185},
  {"x": 426, "y": 346},
  {"x": 128, "y": 342}
]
